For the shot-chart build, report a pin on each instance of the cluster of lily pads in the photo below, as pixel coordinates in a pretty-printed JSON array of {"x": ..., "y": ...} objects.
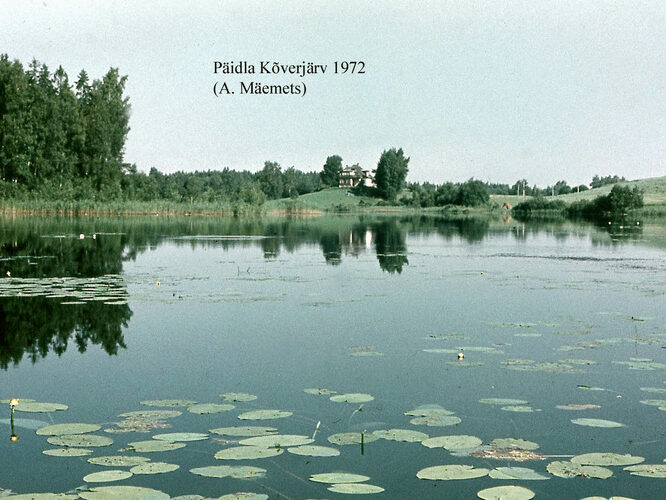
[
  {"x": 110, "y": 288},
  {"x": 257, "y": 442}
]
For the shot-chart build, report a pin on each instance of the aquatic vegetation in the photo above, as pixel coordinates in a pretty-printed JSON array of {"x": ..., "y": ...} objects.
[
  {"x": 248, "y": 453},
  {"x": 168, "y": 402},
  {"x": 238, "y": 396},
  {"x": 577, "y": 407},
  {"x": 570, "y": 469},
  {"x": 503, "y": 401},
  {"x": 648, "y": 470},
  {"x": 513, "y": 473},
  {"x": 344, "y": 438},
  {"x": 506, "y": 493},
  {"x": 314, "y": 451},
  {"x": 67, "y": 452},
  {"x": 207, "y": 408},
  {"x": 428, "y": 411},
  {"x": 80, "y": 440},
  {"x": 455, "y": 442},
  {"x": 355, "y": 397},
  {"x": 247, "y": 430},
  {"x": 118, "y": 460},
  {"x": 235, "y": 471},
  {"x": 274, "y": 440},
  {"x": 606, "y": 459},
  {"x": 36, "y": 407},
  {"x": 405, "y": 435},
  {"x": 123, "y": 493},
  {"x": 181, "y": 436},
  {"x": 451, "y": 472},
  {"x": 59, "y": 429},
  {"x": 355, "y": 488},
  {"x": 436, "y": 421},
  {"x": 244, "y": 495},
  {"x": 319, "y": 392},
  {"x": 107, "y": 476},
  {"x": 513, "y": 444},
  {"x": 264, "y": 414},
  {"x": 338, "y": 478},
  {"x": 154, "y": 446},
  {"x": 519, "y": 408},
  {"x": 597, "y": 422},
  {"x": 154, "y": 468}
]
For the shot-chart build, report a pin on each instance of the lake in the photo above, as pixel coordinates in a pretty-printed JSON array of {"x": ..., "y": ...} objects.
[{"x": 561, "y": 328}]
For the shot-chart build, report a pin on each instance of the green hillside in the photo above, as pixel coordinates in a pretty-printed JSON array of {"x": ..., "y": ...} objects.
[
  {"x": 330, "y": 199},
  {"x": 654, "y": 191}
]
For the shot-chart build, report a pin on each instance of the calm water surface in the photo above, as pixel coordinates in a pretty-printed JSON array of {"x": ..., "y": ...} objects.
[{"x": 147, "y": 309}]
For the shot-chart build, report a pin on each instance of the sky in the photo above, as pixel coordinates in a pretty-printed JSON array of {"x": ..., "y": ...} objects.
[{"x": 495, "y": 90}]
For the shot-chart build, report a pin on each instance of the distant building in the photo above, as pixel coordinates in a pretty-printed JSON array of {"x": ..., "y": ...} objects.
[{"x": 354, "y": 176}]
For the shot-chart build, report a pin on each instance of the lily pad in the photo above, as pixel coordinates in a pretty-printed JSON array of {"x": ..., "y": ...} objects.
[
  {"x": 314, "y": 451},
  {"x": 428, "y": 412},
  {"x": 654, "y": 402},
  {"x": 60, "y": 429},
  {"x": 518, "y": 408},
  {"x": 576, "y": 407},
  {"x": 596, "y": 422},
  {"x": 107, "y": 476},
  {"x": 238, "y": 396},
  {"x": 67, "y": 452},
  {"x": 43, "y": 496},
  {"x": 319, "y": 392},
  {"x": 282, "y": 440},
  {"x": 502, "y": 401},
  {"x": 151, "y": 414},
  {"x": 355, "y": 488},
  {"x": 513, "y": 444},
  {"x": 352, "y": 438},
  {"x": 243, "y": 495},
  {"x": 570, "y": 469},
  {"x": 35, "y": 407},
  {"x": 118, "y": 460},
  {"x": 207, "y": 408},
  {"x": 512, "y": 473},
  {"x": 247, "y": 430},
  {"x": 648, "y": 470},
  {"x": 247, "y": 453},
  {"x": 355, "y": 397},
  {"x": 456, "y": 442},
  {"x": 181, "y": 436},
  {"x": 606, "y": 459},
  {"x": 235, "y": 471},
  {"x": 440, "y": 421},
  {"x": 338, "y": 478},
  {"x": 465, "y": 363},
  {"x": 654, "y": 389},
  {"x": 264, "y": 415},
  {"x": 153, "y": 445},
  {"x": 506, "y": 493},
  {"x": 123, "y": 493},
  {"x": 450, "y": 472},
  {"x": 154, "y": 468},
  {"x": 169, "y": 402},
  {"x": 405, "y": 435},
  {"x": 80, "y": 440}
]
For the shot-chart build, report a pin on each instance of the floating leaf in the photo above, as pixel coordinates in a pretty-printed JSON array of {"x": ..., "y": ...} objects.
[
  {"x": 518, "y": 408},
  {"x": 247, "y": 430},
  {"x": 107, "y": 476},
  {"x": 456, "y": 442},
  {"x": 654, "y": 389},
  {"x": 207, "y": 408},
  {"x": 596, "y": 422},
  {"x": 506, "y": 493},
  {"x": 401, "y": 435},
  {"x": 123, "y": 493},
  {"x": 243, "y": 495},
  {"x": 521, "y": 473},
  {"x": 503, "y": 402},
  {"x": 464, "y": 363},
  {"x": 648, "y": 470},
  {"x": 153, "y": 445},
  {"x": 67, "y": 452},
  {"x": 247, "y": 453},
  {"x": 439, "y": 421},
  {"x": 510, "y": 455},
  {"x": 151, "y": 414},
  {"x": 181, "y": 436},
  {"x": 35, "y": 407},
  {"x": 355, "y": 489},
  {"x": 264, "y": 414},
  {"x": 654, "y": 402},
  {"x": 513, "y": 444},
  {"x": 319, "y": 392},
  {"x": 154, "y": 468},
  {"x": 428, "y": 412},
  {"x": 238, "y": 396},
  {"x": 606, "y": 459},
  {"x": 168, "y": 402},
  {"x": 42, "y": 496},
  {"x": 235, "y": 471},
  {"x": 338, "y": 478},
  {"x": 59, "y": 429},
  {"x": 355, "y": 397},
  {"x": 352, "y": 438},
  {"x": 80, "y": 440},
  {"x": 569, "y": 469},
  {"x": 118, "y": 460},
  {"x": 450, "y": 472},
  {"x": 572, "y": 406},
  {"x": 314, "y": 451},
  {"x": 441, "y": 351},
  {"x": 282, "y": 440}
]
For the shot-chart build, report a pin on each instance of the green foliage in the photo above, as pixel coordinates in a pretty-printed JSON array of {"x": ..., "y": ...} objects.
[
  {"x": 391, "y": 173},
  {"x": 604, "y": 181},
  {"x": 539, "y": 204},
  {"x": 472, "y": 194},
  {"x": 330, "y": 175}
]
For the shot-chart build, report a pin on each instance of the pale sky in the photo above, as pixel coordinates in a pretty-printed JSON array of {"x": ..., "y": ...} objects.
[{"x": 496, "y": 90}]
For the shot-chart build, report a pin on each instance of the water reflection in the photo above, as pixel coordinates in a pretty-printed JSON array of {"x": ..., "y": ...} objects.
[{"x": 61, "y": 279}]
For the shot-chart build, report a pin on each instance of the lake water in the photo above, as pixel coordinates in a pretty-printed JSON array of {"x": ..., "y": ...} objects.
[{"x": 102, "y": 314}]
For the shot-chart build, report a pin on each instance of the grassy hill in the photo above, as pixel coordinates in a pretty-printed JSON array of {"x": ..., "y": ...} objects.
[
  {"x": 331, "y": 199},
  {"x": 654, "y": 191}
]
